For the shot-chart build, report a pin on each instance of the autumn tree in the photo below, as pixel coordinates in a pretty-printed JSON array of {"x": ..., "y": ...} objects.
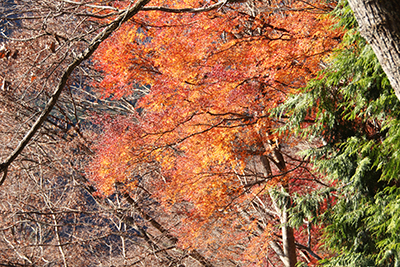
[
  {"x": 201, "y": 140},
  {"x": 49, "y": 212},
  {"x": 199, "y": 144}
]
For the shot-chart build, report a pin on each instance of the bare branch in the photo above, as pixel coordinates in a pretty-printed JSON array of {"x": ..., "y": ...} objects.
[
  {"x": 185, "y": 10},
  {"x": 77, "y": 61}
]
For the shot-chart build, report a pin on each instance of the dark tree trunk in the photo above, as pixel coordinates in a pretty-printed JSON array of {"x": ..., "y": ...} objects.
[{"x": 379, "y": 22}]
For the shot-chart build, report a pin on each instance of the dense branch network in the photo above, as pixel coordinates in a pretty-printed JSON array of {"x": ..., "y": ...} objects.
[{"x": 184, "y": 120}]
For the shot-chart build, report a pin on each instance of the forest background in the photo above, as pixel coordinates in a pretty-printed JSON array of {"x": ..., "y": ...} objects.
[{"x": 187, "y": 133}]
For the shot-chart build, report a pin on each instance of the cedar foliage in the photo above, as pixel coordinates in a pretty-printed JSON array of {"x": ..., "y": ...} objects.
[{"x": 355, "y": 112}]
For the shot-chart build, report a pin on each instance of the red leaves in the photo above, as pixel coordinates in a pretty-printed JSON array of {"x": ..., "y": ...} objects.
[{"x": 213, "y": 79}]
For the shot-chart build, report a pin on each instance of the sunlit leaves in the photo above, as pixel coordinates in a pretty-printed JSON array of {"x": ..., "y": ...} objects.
[{"x": 211, "y": 79}]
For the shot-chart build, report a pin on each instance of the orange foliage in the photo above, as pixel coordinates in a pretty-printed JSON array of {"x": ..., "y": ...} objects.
[{"x": 211, "y": 77}]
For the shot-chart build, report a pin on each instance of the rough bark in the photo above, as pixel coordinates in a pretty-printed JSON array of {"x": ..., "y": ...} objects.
[{"x": 379, "y": 22}]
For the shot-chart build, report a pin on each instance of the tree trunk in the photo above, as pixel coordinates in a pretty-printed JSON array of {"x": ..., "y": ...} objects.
[
  {"x": 287, "y": 253},
  {"x": 379, "y": 22},
  {"x": 289, "y": 246}
]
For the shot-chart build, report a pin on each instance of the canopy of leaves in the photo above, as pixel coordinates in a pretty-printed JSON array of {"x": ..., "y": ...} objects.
[{"x": 211, "y": 80}]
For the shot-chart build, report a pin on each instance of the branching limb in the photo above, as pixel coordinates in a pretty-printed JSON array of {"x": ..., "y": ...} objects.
[
  {"x": 185, "y": 10},
  {"x": 63, "y": 81}
]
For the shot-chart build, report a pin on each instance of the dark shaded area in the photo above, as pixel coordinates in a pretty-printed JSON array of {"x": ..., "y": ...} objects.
[{"x": 8, "y": 18}]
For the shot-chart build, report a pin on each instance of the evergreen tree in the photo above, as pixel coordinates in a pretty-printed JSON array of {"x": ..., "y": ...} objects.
[{"x": 353, "y": 110}]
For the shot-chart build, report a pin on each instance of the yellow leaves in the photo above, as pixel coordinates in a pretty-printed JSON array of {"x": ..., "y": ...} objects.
[
  {"x": 111, "y": 168},
  {"x": 258, "y": 248},
  {"x": 193, "y": 79}
]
